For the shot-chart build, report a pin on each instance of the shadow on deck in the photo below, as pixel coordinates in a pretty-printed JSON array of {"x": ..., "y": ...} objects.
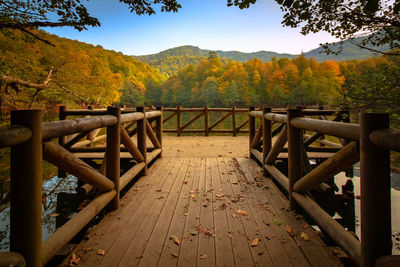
[{"x": 216, "y": 211}]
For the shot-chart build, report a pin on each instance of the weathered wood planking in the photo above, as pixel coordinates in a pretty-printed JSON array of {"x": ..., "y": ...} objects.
[{"x": 196, "y": 201}]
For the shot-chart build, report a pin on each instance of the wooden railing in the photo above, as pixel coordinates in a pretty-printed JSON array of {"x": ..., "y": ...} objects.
[
  {"x": 208, "y": 127},
  {"x": 31, "y": 140},
  {"x": 370, "y": 143}
]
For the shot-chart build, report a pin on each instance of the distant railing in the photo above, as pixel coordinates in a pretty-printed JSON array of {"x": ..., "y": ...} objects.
[
  {"x": 209, "y": 127},
  {"x": 370, "y": 143},
  {"x": 31, "y": 140}
]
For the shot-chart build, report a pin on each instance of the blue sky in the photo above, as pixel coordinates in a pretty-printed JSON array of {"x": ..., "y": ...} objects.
[{"x": 208, "y": 24}]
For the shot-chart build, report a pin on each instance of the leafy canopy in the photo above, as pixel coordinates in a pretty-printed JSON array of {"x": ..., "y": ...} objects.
[
  {"x": 57, "y": 13},
  {"x": 341, "y": 18},
  {"x": 345, "y": 19}
]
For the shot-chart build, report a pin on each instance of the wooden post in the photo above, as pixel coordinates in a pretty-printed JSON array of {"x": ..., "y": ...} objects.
[
  {"x": 295, "y": 141},
  {"x": 178, "y": 120},
  {"x": 376, "y": 227},
  {"x": 234, "y": 120},
  {"x": 159, "y": 127},
  {"x": 63, "y": 139},
  {"x": 26, "y": 189},
  {"x": 252, "y": 130},
  {"x": 206, "y": 120},
  {"x": 141, "y": 138},
  {"x": 266, "y": 137},
  {"x": 113, "y": 153}
]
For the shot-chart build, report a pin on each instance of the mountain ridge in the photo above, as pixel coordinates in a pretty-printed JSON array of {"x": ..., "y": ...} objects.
[{"x": 173, "y": 59}]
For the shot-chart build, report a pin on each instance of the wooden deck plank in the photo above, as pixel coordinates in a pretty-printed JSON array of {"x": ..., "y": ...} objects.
[
  {"x": 240, "y": 242},
  {"x": 206, "y": 246},
  {"x": 223, "y": 242},
  {"x": 162, "y": 209},
  {"x": 161, "y": 248},
  {"x": 295, "y": 255},
  {"x": 314, "y": 250},
  {"x": 251, "y": 227},
  {"x": 264, "y": 220},
  {"x": 188, "y": 252},
  {"x": 117, "y": 251},
  {"x": 186, "y": 196},
  {"x": 103, "y": 235}
]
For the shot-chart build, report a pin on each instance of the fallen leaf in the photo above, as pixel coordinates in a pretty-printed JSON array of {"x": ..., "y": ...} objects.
[
  {"x": 74, "y": 259},
  {"x": 87, "y": 249},
  {"x": 193, "y": 233},
  {"x": 136, "y": 188},
  {"x": 229, "y": 235},
  {"x": 289, "y": 229},
  {"x": 298, "y": 217},
  {"x": 158, "y": 190},
  {"x": 234, "y": 215},
  {"x": 100, "y": 252},
  {"x": 160, "y": 197},
  {"x": 174, "y": 255},
  {"x": 203, "y": 256},
  {"x": 185, "y": 213},
  {"x": 207, "y": 232},
  {"x": 277, "y": 222},
  {"x": 191, "y": 191},
  {"x": 241, "y": 212},
  {"x": 176, "y": 240},
  {"x": 255, "y": 242},
  {"x": 185, "y": 182},
  {"x": 220, "y": 195},
  {"x": 234, "y": 182},
  {"x": 54, "y": 215},
  {"x": 304, "y": 236},
  {"x": 260, "y": 253}
]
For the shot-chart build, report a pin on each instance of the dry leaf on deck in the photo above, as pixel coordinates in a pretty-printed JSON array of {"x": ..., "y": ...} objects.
[
  {"x": 74, "y": 259},
  {"x": 255, "y": 242},
  {"x": 220, "y": 195},
  {"x": 304, "y": 236},
  {"x": 241, "y": 212},
  {"x": 234, "y": 215},
  {"x": 174, "y": 255},
  {"x": 203, "y": 256},
  {"x": 229, "y": 235},
  {"x": 289, "y": 229},
  {"x": 54, "y": 215},
  {"x": 176, "y": 240},
  {"x": 101, "y": 252}
]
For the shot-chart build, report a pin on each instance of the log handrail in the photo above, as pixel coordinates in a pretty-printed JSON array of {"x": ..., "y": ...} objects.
[
  {"x": 30, "y": 142},
  {"x": 369, "y": 143},
  {"x": 386, "y": 138},
  {"x": 66, "y": 127},
  {"x": 14, "y": 135}
]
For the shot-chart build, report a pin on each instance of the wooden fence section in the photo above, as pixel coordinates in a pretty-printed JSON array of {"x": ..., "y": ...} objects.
[
  {"x": 31, "y": 140},
  {"x": 369, "y": 142},
  {"x": 208, "y": 127}
]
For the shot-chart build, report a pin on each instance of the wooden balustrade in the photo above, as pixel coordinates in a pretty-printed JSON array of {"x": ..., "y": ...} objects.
[
  {"x": 28, "y": 135},
  {"x": 372, "y": 142},
  {"x": 182, "y": 127}
]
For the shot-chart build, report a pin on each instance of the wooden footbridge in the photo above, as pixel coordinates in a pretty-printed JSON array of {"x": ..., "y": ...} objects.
[{"x": 212, "y": 209}]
